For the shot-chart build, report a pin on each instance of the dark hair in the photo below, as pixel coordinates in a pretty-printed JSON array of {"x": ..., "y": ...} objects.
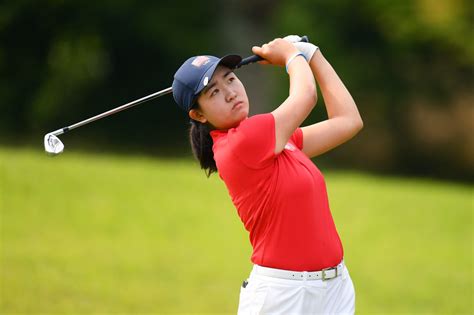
[{"x": 201, "y": 143}]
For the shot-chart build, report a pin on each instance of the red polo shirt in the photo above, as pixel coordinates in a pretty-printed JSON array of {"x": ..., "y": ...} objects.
[{"x": 281, "y": 199}]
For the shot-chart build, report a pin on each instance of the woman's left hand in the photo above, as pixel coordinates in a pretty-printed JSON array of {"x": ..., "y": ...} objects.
[{"x": 307, "y": 49}]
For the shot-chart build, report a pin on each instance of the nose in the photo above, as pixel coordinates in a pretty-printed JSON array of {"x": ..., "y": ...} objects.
[{"x": 230, "y": 95}]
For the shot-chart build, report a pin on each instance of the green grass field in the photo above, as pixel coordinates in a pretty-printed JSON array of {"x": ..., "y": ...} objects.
[{"x": 89, "y": 234}]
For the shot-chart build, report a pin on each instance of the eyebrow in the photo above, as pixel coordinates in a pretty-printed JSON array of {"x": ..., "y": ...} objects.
[{"x": 210, "y": 86}]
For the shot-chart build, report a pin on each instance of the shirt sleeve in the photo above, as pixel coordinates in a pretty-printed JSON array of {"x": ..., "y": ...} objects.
[
  {"x": 253, "y": 141},
  {"x": 297, "y": 138}
]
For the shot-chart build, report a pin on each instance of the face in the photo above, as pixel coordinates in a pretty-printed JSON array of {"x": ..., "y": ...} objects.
[{"x": 223, "y": 103}]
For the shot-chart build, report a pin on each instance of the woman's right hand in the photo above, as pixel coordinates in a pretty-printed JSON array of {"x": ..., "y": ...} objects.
[{"x": 276, "y": 52}]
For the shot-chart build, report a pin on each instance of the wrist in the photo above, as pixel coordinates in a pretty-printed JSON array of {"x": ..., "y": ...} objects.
[
  {"x": 308, "y": 49},
  {"x": 291, "y": 58},
  {"x": 291, "y": 54}
]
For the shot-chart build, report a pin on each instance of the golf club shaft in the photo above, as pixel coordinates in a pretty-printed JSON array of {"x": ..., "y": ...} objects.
[
  {"x": 112, "y": 111},
  {"x": 245, "y": 61}
]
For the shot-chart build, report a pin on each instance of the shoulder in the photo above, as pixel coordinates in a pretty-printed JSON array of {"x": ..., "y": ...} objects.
[
  {"x": 256, "y": 124},
  {"x": 267, "y": 117},
  {"x": 252, "y": 141}
]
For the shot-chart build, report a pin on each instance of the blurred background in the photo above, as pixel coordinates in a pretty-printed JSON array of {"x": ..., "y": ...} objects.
[{"x": 408, "y": 65}]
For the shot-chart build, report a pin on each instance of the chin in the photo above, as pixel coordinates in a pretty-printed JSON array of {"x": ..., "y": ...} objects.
[
  {"x": 245, "y": 113},
  {"x": 244, "y": 116},
  {"x": 236, "y": 122}
]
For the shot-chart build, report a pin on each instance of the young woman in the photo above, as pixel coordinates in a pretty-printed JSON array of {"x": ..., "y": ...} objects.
[{"x": 264, "y": 160}]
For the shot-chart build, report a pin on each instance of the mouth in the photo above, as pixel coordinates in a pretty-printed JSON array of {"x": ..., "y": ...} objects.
[{"x": 237, "y": 104}]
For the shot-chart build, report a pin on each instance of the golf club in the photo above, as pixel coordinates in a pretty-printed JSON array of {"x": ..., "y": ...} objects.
[{"x": 54, "y": 146}]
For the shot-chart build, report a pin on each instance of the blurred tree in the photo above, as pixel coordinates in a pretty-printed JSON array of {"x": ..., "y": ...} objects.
[
  {"x": 407, "y": 63},
  {"x": 61, "y": 62},
  {"x": 409, "y": 67}
]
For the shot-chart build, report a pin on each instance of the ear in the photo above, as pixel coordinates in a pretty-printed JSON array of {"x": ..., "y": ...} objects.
[{"x": 197, "y": 115}]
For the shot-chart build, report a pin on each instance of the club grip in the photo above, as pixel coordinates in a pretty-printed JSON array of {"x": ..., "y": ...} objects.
[{"x": 255, "y": 58}]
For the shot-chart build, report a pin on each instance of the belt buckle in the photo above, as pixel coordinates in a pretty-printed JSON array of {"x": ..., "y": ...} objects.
[{"x": 327, "y": 269}]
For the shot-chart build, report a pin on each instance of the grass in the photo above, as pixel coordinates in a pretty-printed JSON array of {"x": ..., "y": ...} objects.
[{"x": 89, "y": 234}]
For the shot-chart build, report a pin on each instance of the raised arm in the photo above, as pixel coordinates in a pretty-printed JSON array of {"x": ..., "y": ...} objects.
[
  {"x": 344, "y": 120},
  {"x": 302, "y": 96}
]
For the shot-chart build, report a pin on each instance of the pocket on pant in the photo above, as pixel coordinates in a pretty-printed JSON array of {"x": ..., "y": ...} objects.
[{"x": 252, "y": 297}]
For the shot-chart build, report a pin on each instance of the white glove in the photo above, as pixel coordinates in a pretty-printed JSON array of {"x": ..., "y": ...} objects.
[{"x": 307, "y": 49}]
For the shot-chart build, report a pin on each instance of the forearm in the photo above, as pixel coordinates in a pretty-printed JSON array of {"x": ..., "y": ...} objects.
[
  {"x": 298, "y": 105},
  {"x": 302, "y": 96},
  {"x": 302, "y": 85},
  {"x": 338, "y": 100}
]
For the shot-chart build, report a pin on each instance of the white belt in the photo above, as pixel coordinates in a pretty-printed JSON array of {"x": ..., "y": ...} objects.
[{"x": 325, "y": 274}]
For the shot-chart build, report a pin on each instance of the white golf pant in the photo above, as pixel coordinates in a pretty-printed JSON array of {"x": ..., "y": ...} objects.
[{"x": 272, "y": 295}]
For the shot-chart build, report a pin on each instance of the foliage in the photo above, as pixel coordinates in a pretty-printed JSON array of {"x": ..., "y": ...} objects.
[{"x": 408, "y": 65}]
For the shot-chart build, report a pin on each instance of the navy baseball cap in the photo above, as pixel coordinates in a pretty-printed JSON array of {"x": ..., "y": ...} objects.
[{"x": 194, "y": 74}]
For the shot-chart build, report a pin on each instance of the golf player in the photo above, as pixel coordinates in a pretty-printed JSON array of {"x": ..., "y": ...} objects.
[{"x": 264, "y": 160}]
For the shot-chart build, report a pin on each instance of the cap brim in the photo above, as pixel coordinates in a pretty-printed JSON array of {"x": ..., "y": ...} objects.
[{"x": 230, "y": 61}]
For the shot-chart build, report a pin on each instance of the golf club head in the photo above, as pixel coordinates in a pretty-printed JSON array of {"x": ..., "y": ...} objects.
[{"x": 52, "y": 144}]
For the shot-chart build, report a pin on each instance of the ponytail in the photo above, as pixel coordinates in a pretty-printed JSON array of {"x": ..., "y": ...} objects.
[{"x": 201, "y": 143}]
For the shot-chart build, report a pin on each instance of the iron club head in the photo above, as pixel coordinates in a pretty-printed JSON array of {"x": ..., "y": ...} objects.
[{"x": 52, "y": 144}]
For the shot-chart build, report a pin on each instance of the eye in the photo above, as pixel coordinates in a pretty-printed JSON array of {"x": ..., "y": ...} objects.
[
  {"x": 231, "y": 79},
  {"x": 214, "y": 92}
]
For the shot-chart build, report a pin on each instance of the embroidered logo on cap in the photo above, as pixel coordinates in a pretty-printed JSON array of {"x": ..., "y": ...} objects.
[{"x": 200, "y": 61}]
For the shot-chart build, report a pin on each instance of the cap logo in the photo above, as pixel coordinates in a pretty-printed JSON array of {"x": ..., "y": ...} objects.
[
  {"x": 206, "y": 81},
  {"x": 200, "y": 61}
]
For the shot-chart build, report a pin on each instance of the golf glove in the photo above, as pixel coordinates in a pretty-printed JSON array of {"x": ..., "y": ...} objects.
[{"x": 307, "y": 49}]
